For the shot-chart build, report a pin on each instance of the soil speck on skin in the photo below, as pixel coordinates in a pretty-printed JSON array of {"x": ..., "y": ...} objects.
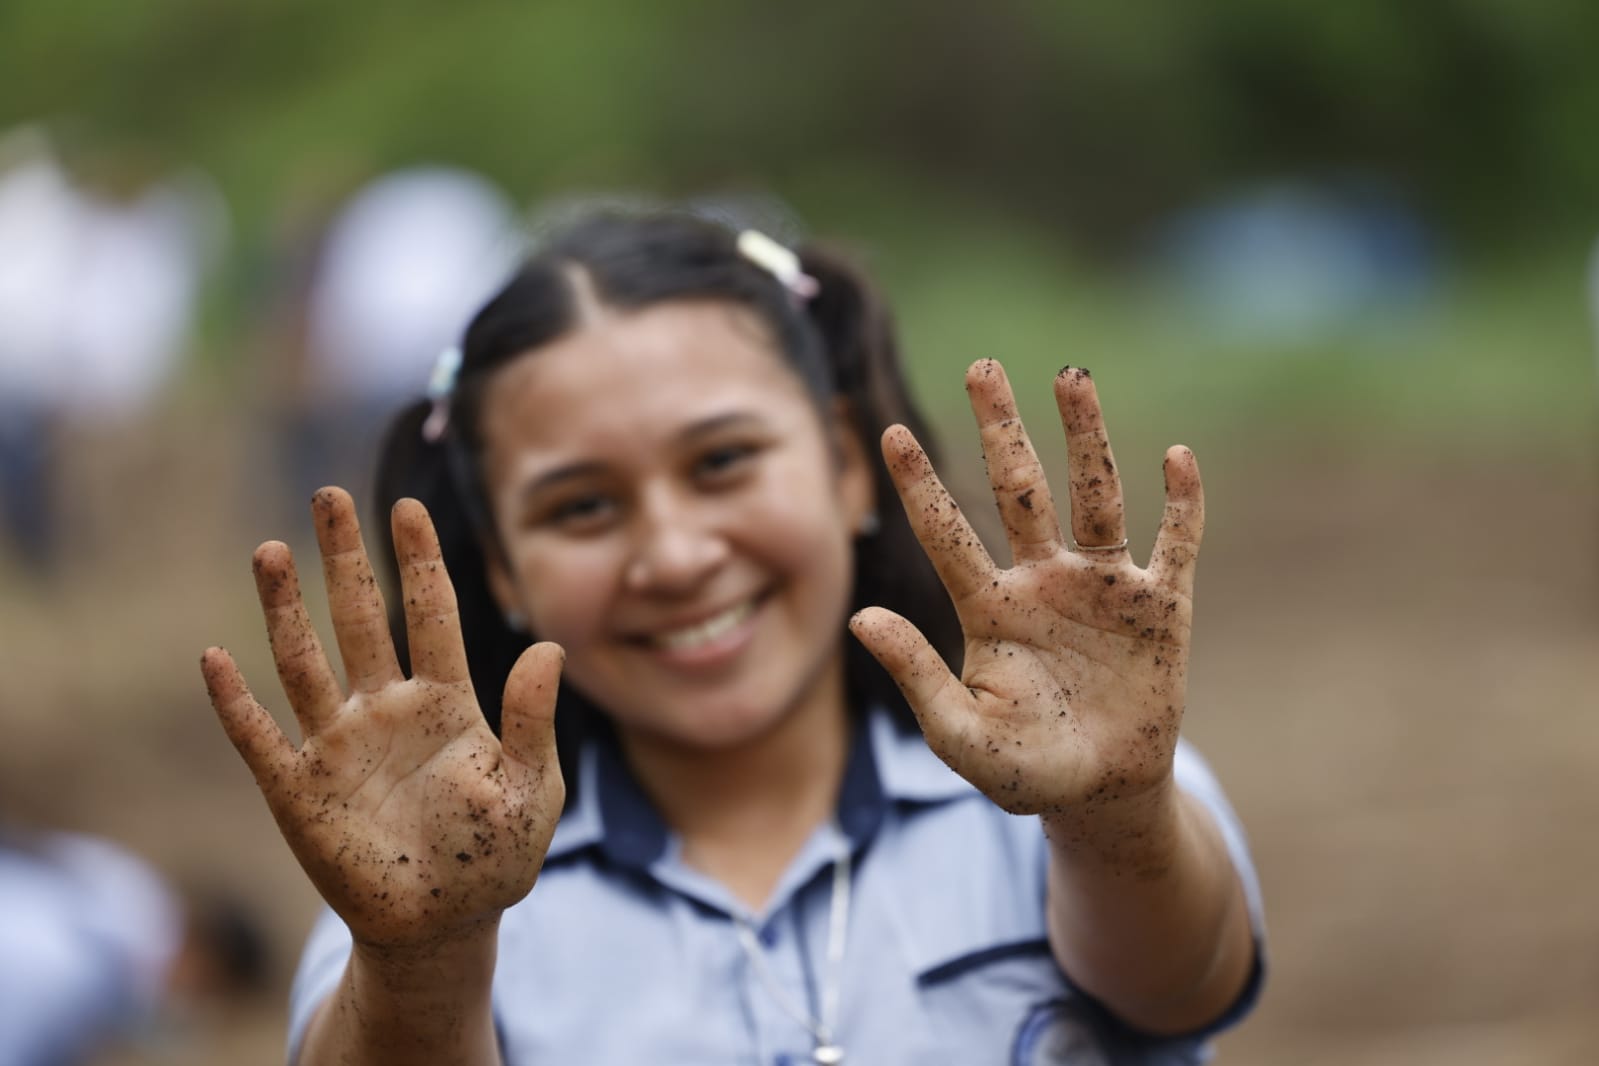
[
  {"x": 404, "y": 858},
  {"x": 1026, "y": 499},
  {"x": 436, "y": 893},
  {"x": 462, "y": 856}
]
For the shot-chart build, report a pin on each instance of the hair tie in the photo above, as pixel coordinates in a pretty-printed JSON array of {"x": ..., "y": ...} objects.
[
  {"x": 778, "y": 261},
  {"x": 441, "y": 386}
]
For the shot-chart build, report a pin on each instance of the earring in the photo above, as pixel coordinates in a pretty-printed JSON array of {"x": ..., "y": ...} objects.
[
  {"x": 516, "y": 621},
  {"x": 870, "y": 526}
]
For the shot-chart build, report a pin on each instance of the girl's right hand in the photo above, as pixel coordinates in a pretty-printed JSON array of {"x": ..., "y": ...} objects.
[{"x": 413, "y": 821}]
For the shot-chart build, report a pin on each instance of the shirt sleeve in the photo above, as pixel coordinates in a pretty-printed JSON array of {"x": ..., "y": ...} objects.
[{"x": 322, "y": 963}]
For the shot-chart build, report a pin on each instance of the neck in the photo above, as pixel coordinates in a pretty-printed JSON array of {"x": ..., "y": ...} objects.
[{"x": 744, "y": 812}]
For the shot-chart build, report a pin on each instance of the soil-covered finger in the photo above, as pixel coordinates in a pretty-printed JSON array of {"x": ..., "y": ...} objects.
[
  {"x": 432, "y": 618},
  {"x": 253, "y": 731},
  {"x": 1098, "y": 511},
  {"x": 913, "y": 663},
  {"x": 354, "y": 599},
  {"x": 303, "y": 668},
  {"x": 1182, "y": 524},
  {"x": 1014, "y": 473},
  {"x": 960, "y": 559},
  {"x": 528, "y": 710}
]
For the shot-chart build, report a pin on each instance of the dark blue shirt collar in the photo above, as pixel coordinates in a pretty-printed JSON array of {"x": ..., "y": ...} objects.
[{"x": 886, "y": 765}]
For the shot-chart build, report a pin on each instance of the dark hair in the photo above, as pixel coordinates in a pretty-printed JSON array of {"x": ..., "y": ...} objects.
[{"x": 841, "y": 343}]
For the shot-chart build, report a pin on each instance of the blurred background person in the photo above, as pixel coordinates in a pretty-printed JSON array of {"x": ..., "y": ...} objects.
[
  {"x": 104, "y": 255},
  {"x": 98, "y": 950},
  {"x": 145, "y": 239},
  {"x": 402, "y": 265},
  {"x": 148, "y": 235},
  {"x": 88, "y": 935},
  {"x": 273, "y": 361},
  {"x": 37, "y": 219}
]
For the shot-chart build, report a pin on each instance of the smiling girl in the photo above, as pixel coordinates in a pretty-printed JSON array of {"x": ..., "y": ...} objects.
[{"x": 633, "y": 531}]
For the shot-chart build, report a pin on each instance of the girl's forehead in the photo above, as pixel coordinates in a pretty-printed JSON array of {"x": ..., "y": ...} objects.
[{"x": 641, "y": 372}]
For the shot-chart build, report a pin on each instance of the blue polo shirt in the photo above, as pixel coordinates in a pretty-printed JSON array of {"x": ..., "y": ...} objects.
[{"x": 624, "y": 956}]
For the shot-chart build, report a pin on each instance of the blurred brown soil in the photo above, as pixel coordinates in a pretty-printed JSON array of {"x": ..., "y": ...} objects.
[{"x": 1396, "y": 675}]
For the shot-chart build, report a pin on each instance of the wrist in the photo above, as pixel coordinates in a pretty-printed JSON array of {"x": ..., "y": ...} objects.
[
  {"x": 420, "y": 1002},
  {"x": 459, "y": 963},
  {"x": 1136, "y": 835}
]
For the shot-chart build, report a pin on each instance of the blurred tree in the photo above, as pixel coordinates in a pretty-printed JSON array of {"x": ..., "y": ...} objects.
[{"x": 1092, "y": 117}]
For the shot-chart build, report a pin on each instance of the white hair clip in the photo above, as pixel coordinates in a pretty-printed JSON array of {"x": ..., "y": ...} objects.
[
  {"x": 441, "y": 386},
  {"x": 778, "y": 261}
]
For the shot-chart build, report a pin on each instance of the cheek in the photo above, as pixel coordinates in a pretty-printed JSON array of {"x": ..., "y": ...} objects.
[
  {"x": 565, "y": 594},
  {"x": 805, "y": 533}
]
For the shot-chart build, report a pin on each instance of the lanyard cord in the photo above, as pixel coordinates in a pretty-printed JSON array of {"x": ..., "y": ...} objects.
[{"x": 827, "y": 1052}]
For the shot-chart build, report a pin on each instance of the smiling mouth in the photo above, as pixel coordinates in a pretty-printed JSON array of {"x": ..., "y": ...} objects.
[{"x": 702, "y": 634}]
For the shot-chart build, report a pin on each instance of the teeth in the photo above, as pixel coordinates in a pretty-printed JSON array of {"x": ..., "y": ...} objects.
[{"x": 706, "y": 631}]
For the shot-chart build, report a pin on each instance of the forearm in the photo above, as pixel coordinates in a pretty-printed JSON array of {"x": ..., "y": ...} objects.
[
  {"x": 1146, "y": 912},
  {"x": 422, "y": 1006}
]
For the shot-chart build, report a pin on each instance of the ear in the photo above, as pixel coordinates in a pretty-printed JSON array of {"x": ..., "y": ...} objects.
[{"x": 857, "y": 488}]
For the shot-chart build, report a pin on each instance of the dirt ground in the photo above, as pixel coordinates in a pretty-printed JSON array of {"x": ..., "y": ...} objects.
[{"x": 1396, "y": 675}]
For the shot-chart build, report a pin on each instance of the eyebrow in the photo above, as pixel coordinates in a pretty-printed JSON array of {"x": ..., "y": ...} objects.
[{"x": 695, "y": 430}]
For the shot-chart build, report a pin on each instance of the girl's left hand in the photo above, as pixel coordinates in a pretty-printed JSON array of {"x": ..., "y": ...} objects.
[{"x": 1076, "y": 662}]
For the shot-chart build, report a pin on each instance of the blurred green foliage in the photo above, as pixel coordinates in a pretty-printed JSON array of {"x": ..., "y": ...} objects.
[
  {"x": 995, "y": 158},
  {"x": 1499, "y": 358},
  {"x": 1096, "y": 117}
]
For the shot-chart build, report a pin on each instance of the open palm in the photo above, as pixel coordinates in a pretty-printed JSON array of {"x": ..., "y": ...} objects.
[
  {"x": 1075, "y": 672},
  {"x": 411, "y": 818}
]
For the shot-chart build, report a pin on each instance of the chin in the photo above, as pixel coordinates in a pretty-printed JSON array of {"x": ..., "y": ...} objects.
[
  {"x": 720, "y": 729},
  {"x": 711, "y": 725}
]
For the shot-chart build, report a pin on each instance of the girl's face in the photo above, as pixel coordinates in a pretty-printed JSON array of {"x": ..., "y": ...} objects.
[{"x": 678, "y": 517}]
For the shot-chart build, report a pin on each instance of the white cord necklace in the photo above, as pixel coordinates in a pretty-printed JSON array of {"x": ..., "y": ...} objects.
[{"x": 826, "y": 1051}]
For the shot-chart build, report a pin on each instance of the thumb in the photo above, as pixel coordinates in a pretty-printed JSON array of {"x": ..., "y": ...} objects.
[
  {"x": 527, "y": 713},
  {"x": 935, "y": 695}
]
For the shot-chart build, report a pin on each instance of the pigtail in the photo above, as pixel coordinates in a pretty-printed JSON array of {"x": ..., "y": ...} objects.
[
  {"x": 411, "y": 465},
  {"x": 892, "y": 570}
]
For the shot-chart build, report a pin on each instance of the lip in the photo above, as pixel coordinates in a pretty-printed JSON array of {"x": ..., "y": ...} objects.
[{"x": 675, "y": 645}]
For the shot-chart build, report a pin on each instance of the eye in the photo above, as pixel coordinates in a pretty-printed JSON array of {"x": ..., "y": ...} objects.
[
  {"x": 584, "y": 513},
  {"x": 723, "y": 462}
]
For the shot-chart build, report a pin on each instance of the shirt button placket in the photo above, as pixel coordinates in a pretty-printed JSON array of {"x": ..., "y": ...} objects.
[{"x": 777, "y": 1030}]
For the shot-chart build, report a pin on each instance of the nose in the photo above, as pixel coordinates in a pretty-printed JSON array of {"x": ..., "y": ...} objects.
[{"x": 676, "y": 546}]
